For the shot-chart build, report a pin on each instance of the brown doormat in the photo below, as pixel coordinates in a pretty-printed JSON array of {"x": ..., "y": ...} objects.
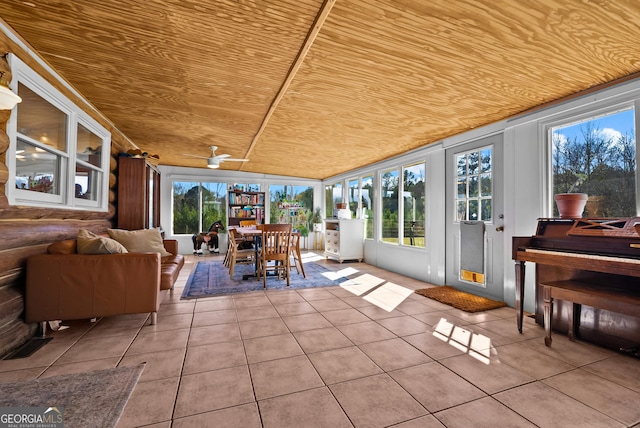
[{"x": 459, "y": 299}]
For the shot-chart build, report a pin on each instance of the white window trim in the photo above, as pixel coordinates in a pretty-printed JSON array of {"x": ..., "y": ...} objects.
[{"x": 66, "y": 200}]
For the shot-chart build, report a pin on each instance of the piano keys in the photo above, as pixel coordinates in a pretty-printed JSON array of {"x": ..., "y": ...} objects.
[{"x": 604, "y": 253}]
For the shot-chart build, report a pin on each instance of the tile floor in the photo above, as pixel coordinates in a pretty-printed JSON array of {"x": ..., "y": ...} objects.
[{"x": 368, "y": 354}]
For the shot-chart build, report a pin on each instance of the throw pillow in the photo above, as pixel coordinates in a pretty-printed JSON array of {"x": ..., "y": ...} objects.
[
  {"x": 140, "y": 241},
  {"x": 90, "y": 243}
]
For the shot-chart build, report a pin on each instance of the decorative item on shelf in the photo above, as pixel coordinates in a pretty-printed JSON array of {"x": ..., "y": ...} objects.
[
  {"x": 571, "y": 205},
  {"x": 8, "y": 99}
]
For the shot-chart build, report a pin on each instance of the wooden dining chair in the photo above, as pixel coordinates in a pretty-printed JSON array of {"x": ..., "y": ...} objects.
[
  {"x": 238, "y": 256},
  {"x": 275, "y": 250},
  {"x": 295, "y": 254},
  {"x": 247, "y": 223}
]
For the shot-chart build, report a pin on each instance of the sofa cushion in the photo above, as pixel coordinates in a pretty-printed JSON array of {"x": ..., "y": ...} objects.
[
  {"x": 140, "y": 241},
  {"x": 90, "y": 243},
  {"x": 67, "y": 246}
]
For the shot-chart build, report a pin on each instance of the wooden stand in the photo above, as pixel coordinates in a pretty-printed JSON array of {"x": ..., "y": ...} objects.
[{"x": 317, "y": 240}]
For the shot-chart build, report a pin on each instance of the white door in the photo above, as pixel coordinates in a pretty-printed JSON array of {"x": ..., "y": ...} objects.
[{"x": 474, "y": 201}]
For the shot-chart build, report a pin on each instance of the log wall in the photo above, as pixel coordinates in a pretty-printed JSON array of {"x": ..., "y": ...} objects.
[{"x": 25, "y": 231}]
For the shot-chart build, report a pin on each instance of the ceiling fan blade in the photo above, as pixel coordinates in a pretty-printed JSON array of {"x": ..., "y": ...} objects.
[
  {"x": 195, "y": 156},
  {"x": 234, "y": 160}
]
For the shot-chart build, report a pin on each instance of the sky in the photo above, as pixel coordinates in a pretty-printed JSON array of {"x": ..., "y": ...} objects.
[{"x": 614, "y": 125}]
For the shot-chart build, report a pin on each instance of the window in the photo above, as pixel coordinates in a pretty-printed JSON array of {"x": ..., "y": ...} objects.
[
  {"x": 354, "y": 197},
  {"x": 367, "y": 205},
  {"x": 333, "y": 196},
  {"x": 474, "y": 184},
  {"x": 597, "y": 156},
  {"x": 389, "y": 188},
  {"x": 291, "y": 204},
  {"x": 197, "y": 205},
  {"x": 413, "y": 204},
  {"x": 55, "y": 156}
]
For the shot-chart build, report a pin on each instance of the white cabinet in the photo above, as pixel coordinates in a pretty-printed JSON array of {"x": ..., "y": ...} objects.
[{"x": 344, "y": 239}]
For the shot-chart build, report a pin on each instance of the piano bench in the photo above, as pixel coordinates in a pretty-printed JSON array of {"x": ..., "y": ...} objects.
[{"x": 610, "y": 298}]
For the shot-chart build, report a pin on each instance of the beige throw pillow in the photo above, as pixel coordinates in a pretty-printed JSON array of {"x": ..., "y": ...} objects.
[
  {"x": 90, "y": 243},
  {"x": 140, "y": 241}
]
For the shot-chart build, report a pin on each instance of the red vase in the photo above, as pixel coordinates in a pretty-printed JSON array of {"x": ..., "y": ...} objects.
[{"x": 571, "y": 205}]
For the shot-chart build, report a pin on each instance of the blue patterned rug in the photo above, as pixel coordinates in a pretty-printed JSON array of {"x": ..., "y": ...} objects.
[{"x": 212, "y": 278}]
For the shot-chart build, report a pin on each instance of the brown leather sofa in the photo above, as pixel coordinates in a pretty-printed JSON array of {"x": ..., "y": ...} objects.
[{"x": 65, "y": 285}]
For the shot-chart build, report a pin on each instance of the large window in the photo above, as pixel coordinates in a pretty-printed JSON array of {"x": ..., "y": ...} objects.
[
  {"x": 367, "y": 205},
  {"x": 413, "y": 203},
  {"x": 197, "y": 205},
  {"x": 474, "y": 184},
  {"x": 56, "y": 152},
  {"x": 291, "y": 204},
  {"x": 332, "y": 196},
  {"x": 389, "y": 188},
  {"x": 597, "y": 156},
  {"x": 354, "y": 197}
]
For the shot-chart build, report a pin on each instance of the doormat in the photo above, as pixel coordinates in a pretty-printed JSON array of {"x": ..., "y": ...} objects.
[
  {"x": 89, "y": 399},
  {"x": 459, "y": 299},
  {"x": 212, "y": 279}
]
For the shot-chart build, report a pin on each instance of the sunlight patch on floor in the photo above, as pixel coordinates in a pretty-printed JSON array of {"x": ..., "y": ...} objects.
[
  {"x": 477, "y": 346},
  {"x": 343, "y": 273},
  {"x": 310, "y": 257},
  {"x": 388, "y": 296},
  {"x": 361, "y": 284}
]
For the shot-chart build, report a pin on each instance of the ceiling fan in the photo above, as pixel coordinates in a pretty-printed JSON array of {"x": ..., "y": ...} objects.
[{"x": 215, "y": 160}]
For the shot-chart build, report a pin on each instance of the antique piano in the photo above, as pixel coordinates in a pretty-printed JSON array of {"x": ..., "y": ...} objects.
[{"x": 587, "y": 279}]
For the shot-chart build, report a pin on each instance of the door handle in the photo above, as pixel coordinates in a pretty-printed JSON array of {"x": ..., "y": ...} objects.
[{"x": 500, "y": 229}]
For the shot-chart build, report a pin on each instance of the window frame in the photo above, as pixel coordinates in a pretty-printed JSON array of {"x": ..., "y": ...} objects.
[{"x": 66, "y": 199}]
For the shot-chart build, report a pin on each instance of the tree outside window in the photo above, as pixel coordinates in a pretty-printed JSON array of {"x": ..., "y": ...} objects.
[
  {"x": 413, "y": 202},
  {"x": 197, "y": 205},
  {"x": 367, "y": 205},
  {"x": 389, "y": 188}
]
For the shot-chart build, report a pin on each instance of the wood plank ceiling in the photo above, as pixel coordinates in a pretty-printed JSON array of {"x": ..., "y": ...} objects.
[{"x": 314, "y": 88}]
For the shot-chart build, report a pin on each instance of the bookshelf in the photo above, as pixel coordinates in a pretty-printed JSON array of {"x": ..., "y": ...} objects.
[{"x": 245, "y": 206}]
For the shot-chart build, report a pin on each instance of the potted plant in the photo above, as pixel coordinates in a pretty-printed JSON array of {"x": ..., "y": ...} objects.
[
  {"x": 316, "y": 221},
  {"x": 571, "y": 205}
]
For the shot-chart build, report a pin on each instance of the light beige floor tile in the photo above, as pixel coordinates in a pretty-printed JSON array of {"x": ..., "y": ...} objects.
[
  {"x": 21, "y": 375},
  {"x": 376, "y": 401},
  {"x": 96, "y": 349},
  {"x": 404, "y": 325},
  {"x": 271, "y": 348},
  {"x": 214, "y": 357},
  {"x": 483, "y": 413},
  {"x": 394, "y": 354},
  {"x": 547, "y": 407},
  {"x": 243, "y": 416},
  {"x": 434, "y": 317},
  {"x": 43, "y": 357},
  {"x": 214, "y": 304},
  {"x": 508, "y": 328},
  {"x": 330, "y": 304},
  {"x": 251, "y": 300},
  {"x": 159, "y": 365},
  {"x": 159, "y": 341},
  {"x": 365, "y": 332},
  {"x": 411, "y": 307},
  {"x": 339, "y": 292},
  {"x": 345, "y": 316},
  {"x": 432, "y": 345},
  {"x": 321, "y": 339},
  {"x": 339, "y": 365},
  {"x": 306, "y": 322},
  {"x": 530, "y": 361},
  {"x": 622, "y": 369},
  {"x": 214, "y": 334},
  {"x": 283, "y": 376},
  {"x": 183, "y": 307},
  {"x": 617, "y": 402},
  {"x": 476, "y": 317},
  {"x": 376, "y": 313},
  {"x": 297, "y": 308},
  {"x": 223, "y": 316},
  {"x": 435, "y": 386},
  {"x": 170, "y": 322},
  {"x": 574, "y": 353},
  {"x": 259, "y": 328},
  {"x": 256, "y": 313},
  {"x": 80, "y": 367},
  {"x": 428, "y": 421},
  {"x": 283, "y": 297},
  {"x": 214, "y": 390},
  {"x": 314, "y": 408},
  {"x": 150, "y": 402},
  {"x": 312, "y": 294},
  {"x": 356, "y": 302},
  {"x": 486, "y": 372}
]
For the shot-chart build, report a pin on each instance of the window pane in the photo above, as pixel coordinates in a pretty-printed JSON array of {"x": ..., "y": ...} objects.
[
  {"x": 461, "y": 162},
  {"x": 474, "y": 159},
  {"x": 37, "y": 169},
  {"x": 89, "y": 147},
  {"x": 213, "y": 204},
  {"x": 414, "y": 214},
  {"x": 462, "y": 188},
  {"x": 597, "y": 157},
  {"x": 474, "y": 189},
  {"x": 473, "y": 209},
  {"x": 40, "y": 120},
  {"x": 292, "y": 204},
  {"x": 486, "y": 160},
  {"x": 486, "y": 211},
  {"x": 186, "y": 197},
  {"x": 485, "y": 186},
  {"x": 354, "y": 197},
  {"x": 367, "y": 205},
  {"x": 390, "y": 206},
  {"x": 87, "y": 183}
]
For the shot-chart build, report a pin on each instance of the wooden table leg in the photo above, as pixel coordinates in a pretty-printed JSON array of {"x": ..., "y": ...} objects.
[
  {"x": 548, "y": 314},
  {"x": 520, "y": 271}
]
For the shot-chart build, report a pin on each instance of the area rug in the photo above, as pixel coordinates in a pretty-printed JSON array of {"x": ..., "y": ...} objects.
[
  {"x": 459, "y": 299},
  {"x": 212, "y": 279},
  {"x": 89, "y": 399}
]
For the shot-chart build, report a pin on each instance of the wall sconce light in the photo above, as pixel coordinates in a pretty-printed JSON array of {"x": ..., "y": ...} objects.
[{"x": 8, "y": 99}]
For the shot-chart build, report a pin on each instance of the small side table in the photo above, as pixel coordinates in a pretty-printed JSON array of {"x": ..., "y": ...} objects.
[{"x": 317, "y": 240}]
